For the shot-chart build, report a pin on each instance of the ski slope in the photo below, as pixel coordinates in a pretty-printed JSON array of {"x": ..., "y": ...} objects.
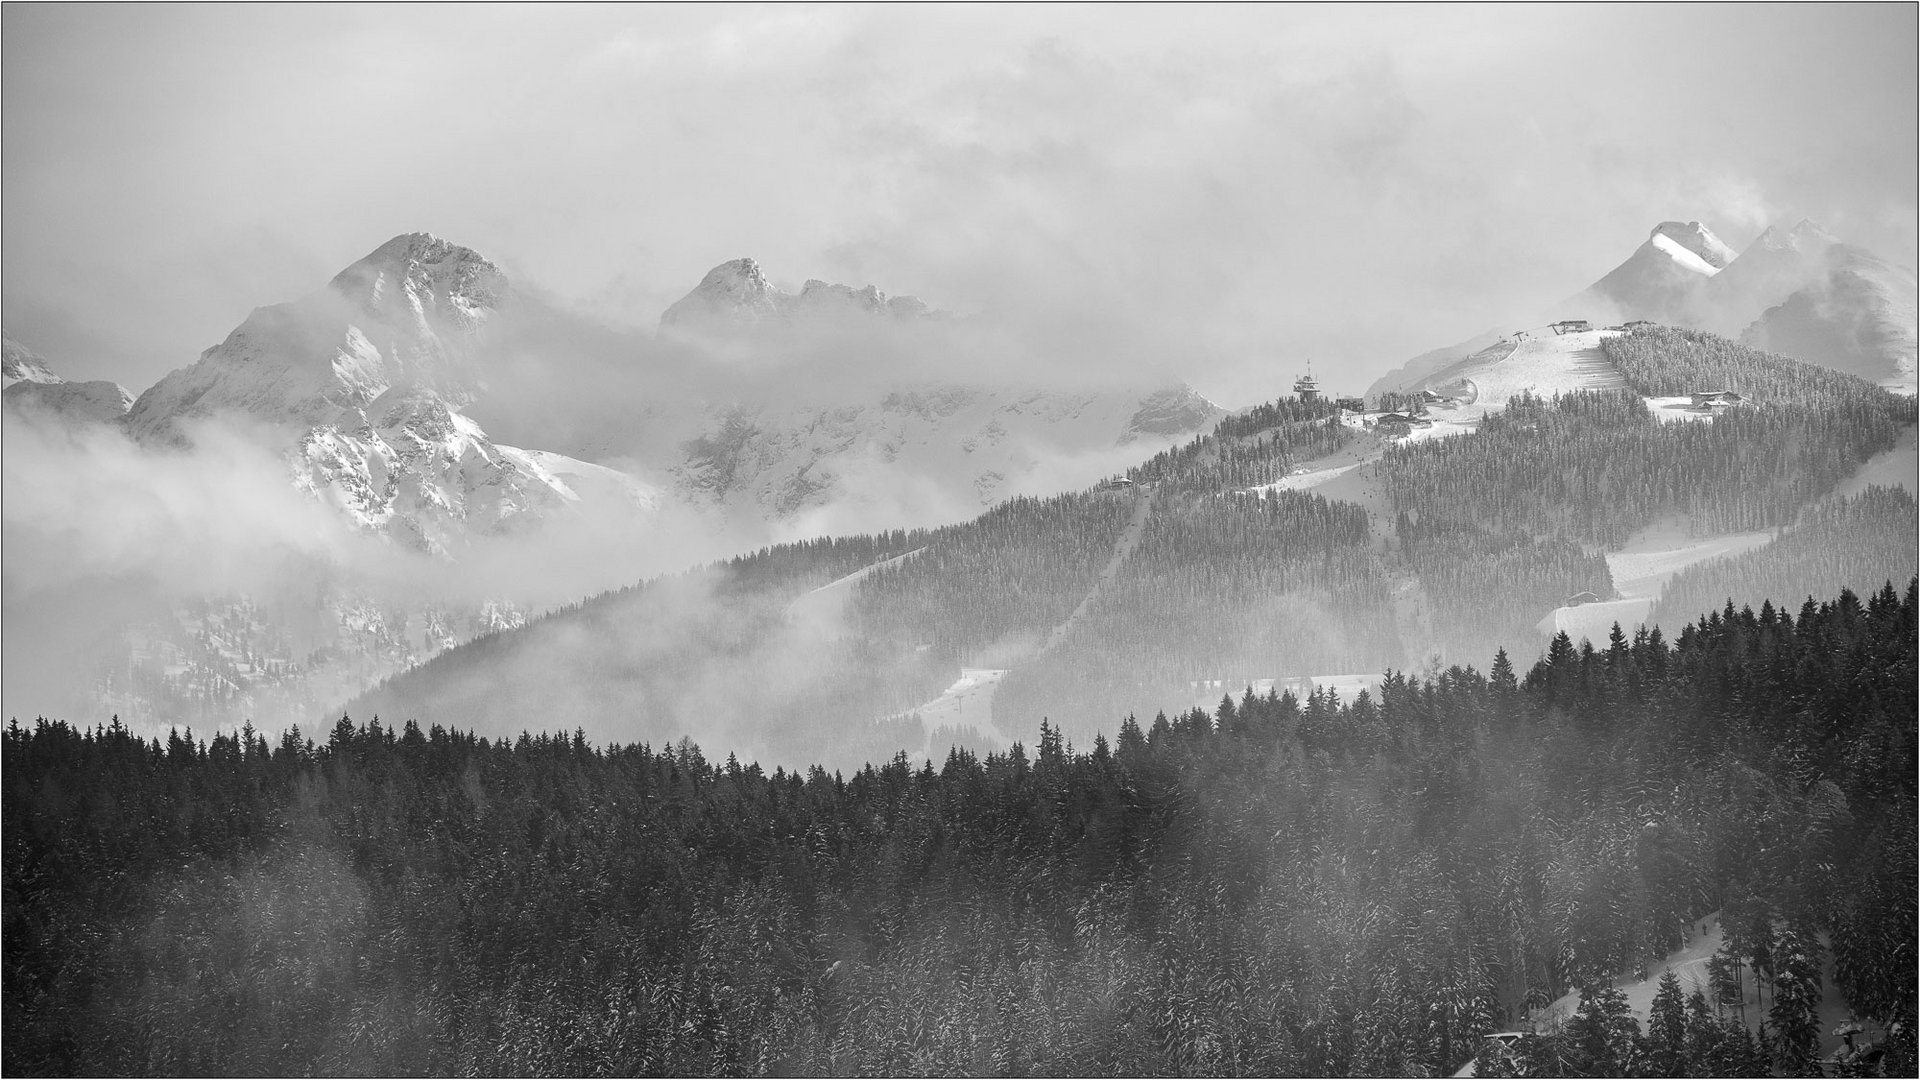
[
  {"x": 1654, "y": 555},
  {"x": 1543, "y": 364},
  {"x": 968, "y": 703},
  {"x": 822, "y": 612}
]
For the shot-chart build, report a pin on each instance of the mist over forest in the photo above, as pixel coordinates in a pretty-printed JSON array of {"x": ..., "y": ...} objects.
[{"x": 1012, "y": 540}]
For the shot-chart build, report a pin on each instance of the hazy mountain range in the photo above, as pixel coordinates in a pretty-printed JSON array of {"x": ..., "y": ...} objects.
[{"x": 755, "y": 414}]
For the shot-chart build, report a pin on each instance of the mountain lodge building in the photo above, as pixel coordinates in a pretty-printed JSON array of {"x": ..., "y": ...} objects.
[{"x": 1711, "y": 399}]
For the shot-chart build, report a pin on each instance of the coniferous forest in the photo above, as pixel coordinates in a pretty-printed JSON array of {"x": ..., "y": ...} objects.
[{"x": 1283, "y": 887}]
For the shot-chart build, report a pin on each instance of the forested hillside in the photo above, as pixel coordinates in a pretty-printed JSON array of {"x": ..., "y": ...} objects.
[
  {"x": 1222, "y": 587},
  {"x": 1281, "y": 888},
  {"x": 1251, "y": 448},
  {"x": 1659, "y": 361},
  {"x": 1186, "y": 577},
  {"x": 1843, "y": 544},
  {"x": 1595, "y": 466},
  {"x": 1488, "y": 586}
]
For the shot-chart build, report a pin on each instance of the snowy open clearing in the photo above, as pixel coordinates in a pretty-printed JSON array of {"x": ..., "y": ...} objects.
[
  {"x": 1301, "y": 481},
  {"x": 1677, "y": 409},
  {"x": 1645, "y": 565},
  {"x": 1543, "y": 363},
  {"x": 1593, "y": 622},
  {"x": 968, "y": 703}
]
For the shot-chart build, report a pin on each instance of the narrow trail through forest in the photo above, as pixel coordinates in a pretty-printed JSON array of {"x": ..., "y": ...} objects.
[{"x": 968, "y": 703}]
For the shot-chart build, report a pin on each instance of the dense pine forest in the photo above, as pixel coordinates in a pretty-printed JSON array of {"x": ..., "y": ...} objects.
[
  {"x": 1282, "y": 887},
  {"x": 1659, "y": 361},
  {"x": 1222, "y": 587},
  {"x": 1596, "y": 466}
]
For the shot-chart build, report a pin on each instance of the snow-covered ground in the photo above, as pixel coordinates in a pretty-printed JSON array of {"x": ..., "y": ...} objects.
[
  {"x": 968, "y": 703},
  {"x": 822, "y": 612},
  {"x": 1303, "y": 478},
  {"x": 1655, "y": 554},
  {"x": 1677, "y": 409},
  {"x": 1896, "y": 467},
  {"x": 1543, "y": 363},
  {"x": 1689, "y": 965},
  {"x": 1593, "y": 622},
  {"x": 1640, "y": 569}
]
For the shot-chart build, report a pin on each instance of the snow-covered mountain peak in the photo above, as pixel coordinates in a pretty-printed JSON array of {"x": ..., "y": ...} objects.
[
  {"x": 410, "y": 313},
  {"x": 1805, "y": 238},
  {"x": 32, "y": 386},
  {"x": 1692, "y": 245},
  {"x": 418, "y": 276},
  {"x": 21, "y": 364},
  {"x": 735, "y": 293}
]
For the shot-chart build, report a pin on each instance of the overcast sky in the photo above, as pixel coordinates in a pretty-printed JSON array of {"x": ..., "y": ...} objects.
[{"x": 1232, "y": 189}]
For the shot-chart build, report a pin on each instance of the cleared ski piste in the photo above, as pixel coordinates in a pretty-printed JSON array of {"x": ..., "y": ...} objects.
[
  {"x": 823, "y": 610},
  {"x": 1654, "y": 555},
  {"x": 1640, "y": 570},
  {"x": 968, "y": 703}
]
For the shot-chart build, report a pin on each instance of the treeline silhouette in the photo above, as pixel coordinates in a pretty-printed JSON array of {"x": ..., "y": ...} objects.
[
  {"x": 1255, "y": 447},
  {"x": 1283, "y": 887}
]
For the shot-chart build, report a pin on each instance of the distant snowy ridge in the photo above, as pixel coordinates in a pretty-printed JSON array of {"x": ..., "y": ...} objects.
[
  {"x": 32, "y": 386},
  {"x": 737, "y": 295},
  {"x": 21, "y": 364},
  {"x": 943, "y": 444},
  {"x": 910, "y": 445}
]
